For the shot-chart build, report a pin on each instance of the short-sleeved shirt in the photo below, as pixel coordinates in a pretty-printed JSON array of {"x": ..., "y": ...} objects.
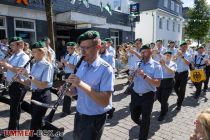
[
  {"x": 133, "y": 60},
  {"x": 173, "y": 50},
  {"x": 158, "y": 56},
  {"x": 181, "y": 66},
  {"x": 17, "y": 60},
  {"x": 199, "y": 62},
  {"x": 108, "y": 58},
  {"x": 100, "y": 76},
  {"x": 112, "y": 51},
  {"x": 42, "y": 71},
  {"x": 71, "y": 59},
  {"x": 154, "y": 70},
  {"x": 172, "y": 66}
]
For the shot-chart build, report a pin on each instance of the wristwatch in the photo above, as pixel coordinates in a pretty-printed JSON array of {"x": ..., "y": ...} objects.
[
  {"x": 30, "y": 77},
  {"x": 145, "y": 76}
]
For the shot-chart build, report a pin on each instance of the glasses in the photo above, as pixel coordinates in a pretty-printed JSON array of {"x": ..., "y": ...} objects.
[{"x": 83, "y": 48}]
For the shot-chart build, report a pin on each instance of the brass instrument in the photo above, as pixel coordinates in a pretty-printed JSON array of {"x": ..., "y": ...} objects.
[{"x": 123, "y": 54}]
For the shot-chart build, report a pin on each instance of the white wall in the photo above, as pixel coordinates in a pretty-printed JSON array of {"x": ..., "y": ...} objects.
[
  {"x": 144, "y": 29},
  {"x": 165, "y": 34}
]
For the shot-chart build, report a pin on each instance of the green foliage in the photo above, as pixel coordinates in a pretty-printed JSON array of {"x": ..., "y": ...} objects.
[{"x": 199, "y": 23}]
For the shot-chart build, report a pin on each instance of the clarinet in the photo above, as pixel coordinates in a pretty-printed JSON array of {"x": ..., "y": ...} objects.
[
  {"x": 49, "y": 117},
  {"x": 11, "y": 82}
]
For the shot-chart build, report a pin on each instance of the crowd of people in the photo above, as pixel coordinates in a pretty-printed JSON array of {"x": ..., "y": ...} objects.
[{"x": 89, "y": 68}]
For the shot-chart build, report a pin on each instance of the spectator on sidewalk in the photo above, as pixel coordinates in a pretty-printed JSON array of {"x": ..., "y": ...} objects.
[{"x": 202, "y": 126}]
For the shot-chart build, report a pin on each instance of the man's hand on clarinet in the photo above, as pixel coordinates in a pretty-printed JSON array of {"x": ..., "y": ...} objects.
[{"x": 74, "y": 80}]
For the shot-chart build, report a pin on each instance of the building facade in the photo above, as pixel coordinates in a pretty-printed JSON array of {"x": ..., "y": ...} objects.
[
  {"x": 70, "y": 20},
  {"x": 160, "y": 19}
]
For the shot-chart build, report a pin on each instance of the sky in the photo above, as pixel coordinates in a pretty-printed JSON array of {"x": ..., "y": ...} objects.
[{"x": 189, "y": 3}]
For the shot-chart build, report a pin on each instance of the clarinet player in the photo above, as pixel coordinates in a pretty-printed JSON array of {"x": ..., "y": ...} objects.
[
  {"x": 94, "y": 84},
  {"x": 40, "y": 79},
  {"x": 17, "y": 91}
]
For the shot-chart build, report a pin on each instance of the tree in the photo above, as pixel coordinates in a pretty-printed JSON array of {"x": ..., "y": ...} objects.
[
  {"x": 199, "y": 21},
  {"x": 49, "y": 15}
]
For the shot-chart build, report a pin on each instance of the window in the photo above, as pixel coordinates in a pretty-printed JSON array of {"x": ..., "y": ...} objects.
[
  {"x": 3, "y": 31},
  {"x": 177, "y": 8},
  {"x": 172, "y": 5},
  {"x": 174, "y": 26},
  {"x": 26, "y": 29},
  {"x": 166, "y": 3},
  {"x": 117, "y": 5},
  {"x": 168, "y": 25},
  {"x": 178, "y": 27},
  {"x": 24, "y": 24},
  {"x": 160, "y": 23}
]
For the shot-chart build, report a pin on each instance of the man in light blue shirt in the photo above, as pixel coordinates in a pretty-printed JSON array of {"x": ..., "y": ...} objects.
[
  {"x": 110, "y": 49},
  {"x": 200, "y": 61},
  {"x": 17, "y": 91},
  {"x": 69, "y": 62},
  {"x": 167, "y": 83},
  {"x": 158, "y": 51},
  {"x": 182, "y": 59},
  {"x": 105, "y": 55},
  {"x": 146, "y": 81},
  {"x": 94, "y": 84}
]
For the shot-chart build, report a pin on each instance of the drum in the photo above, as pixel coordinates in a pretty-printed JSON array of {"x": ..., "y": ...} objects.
[{"x": 197, "y": 75}]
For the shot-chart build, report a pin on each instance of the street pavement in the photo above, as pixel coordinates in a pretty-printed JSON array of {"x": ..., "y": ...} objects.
[{"x": 176, "y": 126}]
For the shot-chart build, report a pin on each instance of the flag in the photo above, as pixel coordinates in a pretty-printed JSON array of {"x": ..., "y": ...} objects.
[
  {"x": 108, "y": 8},
  {"x": 73, "y": 1},
  {"x": 85, "y": 2},
  {"x": 101, "y": 5}
]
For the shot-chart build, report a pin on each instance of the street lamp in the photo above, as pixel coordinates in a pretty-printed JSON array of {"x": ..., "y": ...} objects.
[{"x": 131, "y": 19}]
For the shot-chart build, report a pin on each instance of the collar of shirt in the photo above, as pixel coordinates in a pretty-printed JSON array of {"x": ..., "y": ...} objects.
[
  {"x": 149, "y": 62},
  {"x": 19, "y": 53},
  {"x": 95, "y": 63}
]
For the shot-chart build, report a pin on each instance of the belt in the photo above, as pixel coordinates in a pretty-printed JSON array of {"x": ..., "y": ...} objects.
[
  {"x": 90, "y": 116},
  {"x": 144, "y": 94},
  {"x": 40, "y": 90},
  {"x": 182, "y": 72}
]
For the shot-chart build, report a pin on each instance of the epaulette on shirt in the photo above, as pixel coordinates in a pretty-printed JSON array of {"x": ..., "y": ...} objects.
[{"x": 105, "y": 64}]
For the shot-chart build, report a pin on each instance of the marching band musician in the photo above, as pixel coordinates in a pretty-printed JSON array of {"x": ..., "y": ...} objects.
[
  {"x": 167, "y": 83},
  {"x": 104, "y": 54},
  {"x": 182, "y": 59},
  {"x": 50, "y": 50},
  {"x": 158, "y": 51},
  {"x": 146, "y": 80},
  {"x": 110, "y": 49},
  {"x": 200, "y": 62},
  {"x": 69, "y": 62},
  {"x": 94, "y": 84},
  {"x": 172, "y": 48},
  {"x": 41, "y": 80},
  {"x": 17, "y": 91}
]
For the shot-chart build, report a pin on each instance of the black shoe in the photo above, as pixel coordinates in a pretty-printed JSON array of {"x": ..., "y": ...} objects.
[
  {"x": 178, "y": 108},
  {"x": 196, "y": 97},
  {"x": 204, "y": 90},
  {"x": 110, "y": 113},
  {"x": 161, "y": 117},
  {"x": 64, "y": 114}
]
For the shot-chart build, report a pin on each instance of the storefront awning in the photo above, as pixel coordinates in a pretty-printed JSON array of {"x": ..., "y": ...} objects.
[{"x": 79, "y": 18}]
